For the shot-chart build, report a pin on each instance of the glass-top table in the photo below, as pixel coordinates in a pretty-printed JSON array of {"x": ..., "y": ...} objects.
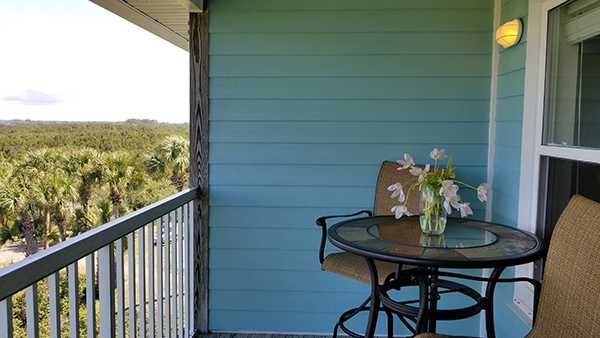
[{"x": 464, "y": 244}]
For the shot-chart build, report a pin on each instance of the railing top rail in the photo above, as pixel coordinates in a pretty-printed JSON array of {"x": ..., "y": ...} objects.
[{"x": 19, "y": 275}]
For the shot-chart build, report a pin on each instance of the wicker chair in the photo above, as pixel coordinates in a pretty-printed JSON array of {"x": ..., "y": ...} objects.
[
  {"x": 569, "y": 303},
  {"x": 354, "y": 266}
]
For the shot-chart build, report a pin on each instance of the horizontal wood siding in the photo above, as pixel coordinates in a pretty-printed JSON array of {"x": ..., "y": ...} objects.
[
  {"x": 509, "y": 120},
  {"x": 307, "y": 98}
]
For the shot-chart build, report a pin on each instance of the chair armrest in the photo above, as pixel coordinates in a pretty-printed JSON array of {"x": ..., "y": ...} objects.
[{"x": 322, "y": 222}]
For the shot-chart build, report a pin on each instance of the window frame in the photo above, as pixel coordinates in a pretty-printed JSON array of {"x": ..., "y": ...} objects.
[{"x": 533, "y": 151}]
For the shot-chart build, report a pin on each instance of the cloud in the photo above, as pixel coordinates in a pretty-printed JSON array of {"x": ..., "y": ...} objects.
[{"x": 33, "y": 97}]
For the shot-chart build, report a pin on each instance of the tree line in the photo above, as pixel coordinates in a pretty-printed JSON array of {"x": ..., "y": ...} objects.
[{"x": 83, "y": 175}]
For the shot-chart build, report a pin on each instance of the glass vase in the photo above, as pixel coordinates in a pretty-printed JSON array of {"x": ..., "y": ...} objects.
[{"x": 432, "y": 215}]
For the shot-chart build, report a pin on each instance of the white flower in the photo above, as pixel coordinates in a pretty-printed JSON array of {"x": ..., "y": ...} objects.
[
  {"x": 407, "y": 163},
  {"x": 416, "y": 171},
  {"x": 400, "y": 210},
  {"x": 448, "y": 189},
  {"x": 447, "y": 207},
  {"x": 397, "y": 191},
  {"x": 482, "y": 191},
  {"x": 441, "y": 182},
  {"x": 438, "y": 155},
  {"x": 465, "y": 209}
]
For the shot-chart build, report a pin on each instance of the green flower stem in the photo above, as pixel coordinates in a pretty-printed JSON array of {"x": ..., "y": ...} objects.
[{"x": 431, "y": 207}]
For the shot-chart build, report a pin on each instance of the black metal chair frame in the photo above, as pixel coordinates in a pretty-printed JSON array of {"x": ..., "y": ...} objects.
[{"x": 347, "y": 315}]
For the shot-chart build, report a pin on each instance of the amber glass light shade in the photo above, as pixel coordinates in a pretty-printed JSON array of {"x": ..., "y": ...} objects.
[{"x": 509, "y": 34}]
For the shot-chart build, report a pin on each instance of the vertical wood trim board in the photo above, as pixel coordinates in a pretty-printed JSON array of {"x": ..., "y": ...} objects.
[{"x": 199, "y": 167}]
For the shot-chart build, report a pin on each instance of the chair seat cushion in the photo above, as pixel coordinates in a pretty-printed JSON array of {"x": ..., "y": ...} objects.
[{"x": 354, "y": 266}]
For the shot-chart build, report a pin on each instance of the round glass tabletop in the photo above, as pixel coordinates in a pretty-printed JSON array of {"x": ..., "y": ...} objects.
[
  {"x": 465, "y": 243},
  {"x": 456, "y": 236}
]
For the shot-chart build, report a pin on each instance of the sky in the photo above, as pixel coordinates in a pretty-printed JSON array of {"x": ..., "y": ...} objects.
[{"x": 71, "y": 60}]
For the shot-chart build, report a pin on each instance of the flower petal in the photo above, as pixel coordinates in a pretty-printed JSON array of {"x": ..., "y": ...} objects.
[
  {"x": 400, "y": 210},
  {"x": 482, "y": 191},
  {"x": 406, "y": 163},
  {"x": 436, "y": 154},
  {"x": 448, "y": 189},
  {"x": 397, "y": 191},
  {"x": 465, "y": 209},
  {"x": 447, "y": 207}
]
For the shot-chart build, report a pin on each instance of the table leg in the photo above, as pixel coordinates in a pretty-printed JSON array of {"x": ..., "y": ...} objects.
[
  {"x": 489, "y": 302},
  {"x": 374, "y": 309},
  {"x": 433, "y": 299},
  {"x": 422, "y": 320}
]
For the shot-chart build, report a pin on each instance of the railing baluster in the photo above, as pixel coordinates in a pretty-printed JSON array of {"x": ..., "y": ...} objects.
[
  {"x": 190, "y": 280},
  {"x": 180, "y": 293},
  {"x": 106, "y": 271},
  {"x": 142, "y": 281},
  {"x": 6, "y": 318},
  {"x": 151, "y": 289},
  {"x": 90, "y": 294},
  {"x": 166, "y": 270},
  {"x": 173, "y": 270},
  {"x": 131, "y": 283},
  {"x": 159, "y": 277},
  {"x": 33, "y": 327},
  {"x": 73, "y": 272},
  {"x": 31, "y": 299},
  {"x": 54, "y": 302},
  {"x": 120, "y": 290},
  {"x": 187, "y": 271}
]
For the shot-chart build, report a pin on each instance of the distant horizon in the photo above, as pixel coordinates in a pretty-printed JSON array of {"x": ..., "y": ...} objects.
[
  {"x": 72, "y": 60},
  {"x": 7, "y": 121}
]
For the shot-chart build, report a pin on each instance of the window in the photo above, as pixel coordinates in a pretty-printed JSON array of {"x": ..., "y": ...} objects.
[
  {"x": 571, "y": 116},
  {"x": 561, "y": 121},
  {"x": 572, "y": 93}
]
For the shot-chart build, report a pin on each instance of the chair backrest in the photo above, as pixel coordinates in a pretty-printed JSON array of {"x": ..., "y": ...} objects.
[
  {"x": 388, "y": 175},
  {"x": 569, "y": 303}
]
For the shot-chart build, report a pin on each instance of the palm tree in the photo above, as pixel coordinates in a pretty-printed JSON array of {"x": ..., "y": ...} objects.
[
  {"x": 171, "y": 155},
  {"x": 118, "y": 171},
  {"x": 10, "y": 232},
  {"x": 42, "y": 168},
  {"x": 18, "y": 198},
  {"x": 84, "y": 165},
  {"x": 61, "y": 193},
  {"x": 5, "y": 176}
]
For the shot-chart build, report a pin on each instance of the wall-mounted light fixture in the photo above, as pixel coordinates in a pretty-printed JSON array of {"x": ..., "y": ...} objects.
[{"x": 509, "y": 34}]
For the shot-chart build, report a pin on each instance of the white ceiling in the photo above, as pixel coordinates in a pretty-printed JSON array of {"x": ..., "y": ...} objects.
[{"x": 166, "y": 18}]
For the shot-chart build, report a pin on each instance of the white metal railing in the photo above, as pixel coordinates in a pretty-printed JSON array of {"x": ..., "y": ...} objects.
[{"x": 141, "y": 265}]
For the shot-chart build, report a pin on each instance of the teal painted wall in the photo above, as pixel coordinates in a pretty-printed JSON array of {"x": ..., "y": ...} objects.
[
  {"x": 507, "y": 157},
  {"x": 307, "y": 98},
  {"x": 509, "y": 119}
]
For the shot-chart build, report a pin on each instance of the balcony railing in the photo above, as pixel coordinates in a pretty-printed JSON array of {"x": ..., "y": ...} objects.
[{"x": 138, "y": 276}]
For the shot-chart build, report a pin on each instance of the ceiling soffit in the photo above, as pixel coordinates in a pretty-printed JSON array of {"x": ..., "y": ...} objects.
[{"x": 167, "y": 19}]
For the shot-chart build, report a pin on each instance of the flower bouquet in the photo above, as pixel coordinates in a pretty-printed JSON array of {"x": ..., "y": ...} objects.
[{"x": 438, "y": 187}]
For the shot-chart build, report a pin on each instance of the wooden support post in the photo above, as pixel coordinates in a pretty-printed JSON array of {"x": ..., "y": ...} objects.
[{"x": 199, "y": 162}]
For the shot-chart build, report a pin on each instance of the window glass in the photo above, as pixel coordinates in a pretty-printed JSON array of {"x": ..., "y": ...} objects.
[
  {"x": 565, "y": 179},
  {"x": 572, "y": 100}
]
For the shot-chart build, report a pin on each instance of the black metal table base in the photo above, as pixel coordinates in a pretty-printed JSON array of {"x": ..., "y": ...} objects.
[
  {"x": 364, "y": 307},
  {"x": 431, "y": 288}
]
